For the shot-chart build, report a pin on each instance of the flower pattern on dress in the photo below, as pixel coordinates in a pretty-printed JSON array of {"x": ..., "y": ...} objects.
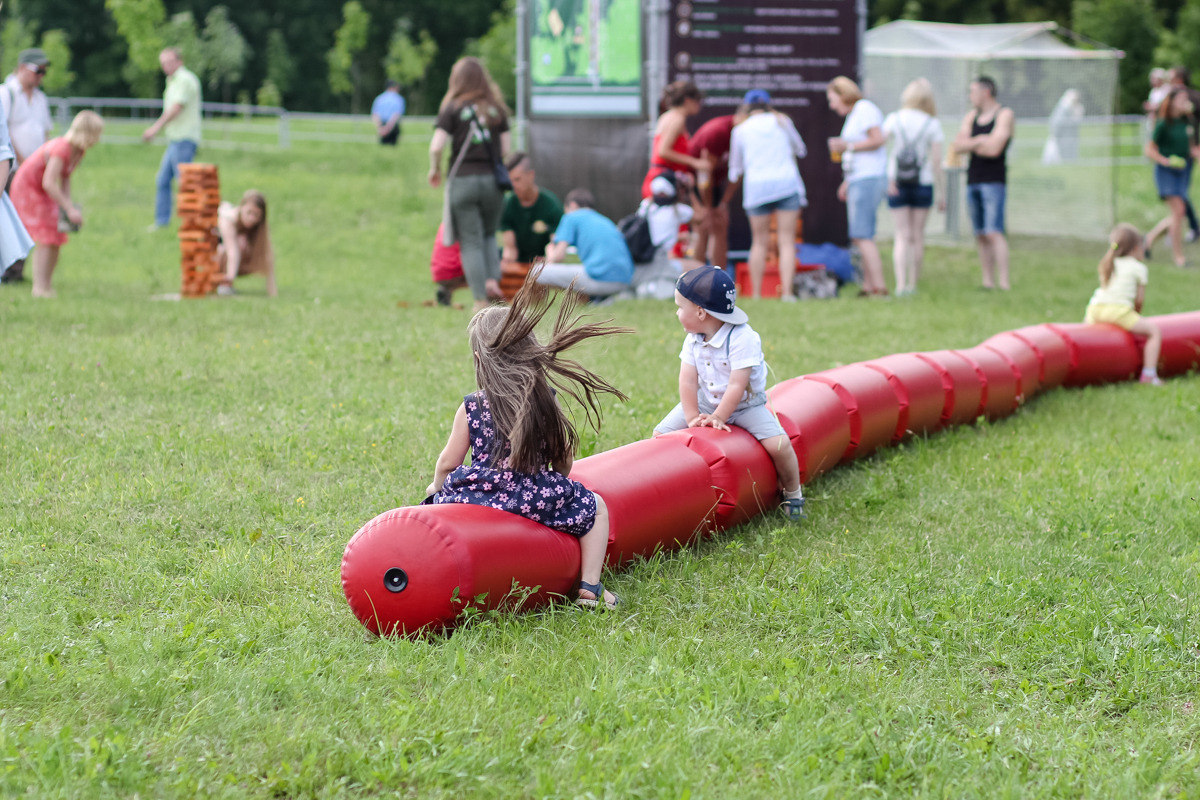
[{"x": 572, "y": 509}]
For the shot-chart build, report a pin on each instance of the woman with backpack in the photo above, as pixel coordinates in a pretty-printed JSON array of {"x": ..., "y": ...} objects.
[{"x": 914, "y": 168}]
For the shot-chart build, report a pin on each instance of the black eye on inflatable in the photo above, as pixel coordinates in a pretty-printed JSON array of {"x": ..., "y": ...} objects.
[{"x": 395, "y": 579}]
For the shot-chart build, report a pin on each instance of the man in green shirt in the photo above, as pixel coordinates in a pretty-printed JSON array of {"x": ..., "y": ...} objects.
[
  {"x": 180, "y": 122},
  {"x": 530, "y": 215}
]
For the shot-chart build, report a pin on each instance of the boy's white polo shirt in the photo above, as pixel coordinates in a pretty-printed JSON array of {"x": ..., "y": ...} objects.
[{"x": 732, "y": 347}]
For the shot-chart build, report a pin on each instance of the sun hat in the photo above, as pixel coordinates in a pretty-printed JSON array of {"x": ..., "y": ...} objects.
[
  {"x": 757, "y": 96},
  {"x": 713, "y": 290},
  {"x": 662, "y": 187},
  {"x": 34, "y": 56}
]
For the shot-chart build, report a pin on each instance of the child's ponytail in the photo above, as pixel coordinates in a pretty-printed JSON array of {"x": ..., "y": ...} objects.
[{"x": 1123, "y": 241}]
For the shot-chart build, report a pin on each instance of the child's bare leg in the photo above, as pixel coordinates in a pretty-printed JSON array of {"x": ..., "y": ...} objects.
[
  {"x": 1153, "y": 335},
  {"x": 592, "y": 547},
  {"x": 787, "y": 468}
]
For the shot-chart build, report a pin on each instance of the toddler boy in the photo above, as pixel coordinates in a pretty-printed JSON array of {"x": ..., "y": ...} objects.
[{"x": 723, "y": 376}]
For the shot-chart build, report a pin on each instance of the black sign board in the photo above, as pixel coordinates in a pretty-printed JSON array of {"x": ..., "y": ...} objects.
[{"x": 791, "y": 48}]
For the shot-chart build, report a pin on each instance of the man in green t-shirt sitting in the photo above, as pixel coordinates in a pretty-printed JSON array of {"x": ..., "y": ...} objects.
[{"x": 531, "y": 213}]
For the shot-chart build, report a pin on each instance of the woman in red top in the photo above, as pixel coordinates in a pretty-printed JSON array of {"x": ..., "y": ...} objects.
[
  {"x": 41, "y": 193},
  {"x": 680, "y": 100}
]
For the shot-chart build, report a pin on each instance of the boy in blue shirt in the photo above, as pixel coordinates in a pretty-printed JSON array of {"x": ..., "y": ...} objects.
[
  {"x": 607, "y": 267},
  {"x": 723, "y": 377}
]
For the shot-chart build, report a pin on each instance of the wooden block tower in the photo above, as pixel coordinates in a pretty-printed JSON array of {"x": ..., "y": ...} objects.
[{"x": 199, "y": 197}]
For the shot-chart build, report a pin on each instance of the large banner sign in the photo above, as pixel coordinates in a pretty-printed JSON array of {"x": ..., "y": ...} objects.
[
  {"x": 791, "y": 48},
  {"x": 586, "y": 58}
]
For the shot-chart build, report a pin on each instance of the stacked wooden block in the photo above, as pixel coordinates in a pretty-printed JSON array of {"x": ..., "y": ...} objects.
[
  {"x": 199, "y": 197},
  {"x": 512, "y": 277}
]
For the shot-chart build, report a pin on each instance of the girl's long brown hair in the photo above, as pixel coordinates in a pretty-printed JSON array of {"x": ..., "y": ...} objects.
[
  {"x": 1123, "y": 240},
  {"x": 1166, "y": 108},
  {"x": 470, "y": 83},
  {"x": 519, "y": 375},
  {"x": 262, "y": 254}
]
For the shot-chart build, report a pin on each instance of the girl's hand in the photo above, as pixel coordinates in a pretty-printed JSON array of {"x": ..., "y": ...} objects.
[
  {"x": 893, "y": 189},
  {"x": 431, "y": 489},
  {"x": 837, "y": 144},
  {"x": 435, "y": 178},
  {"x": 74, "y": 216},
  {"x": 941, "y": 205},
  {"x": 841, "y": 193}
]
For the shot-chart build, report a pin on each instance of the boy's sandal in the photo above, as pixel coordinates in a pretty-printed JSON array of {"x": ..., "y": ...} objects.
[
  {"x": 793, "y": 508},
  {"x": 596, "y": 589}
]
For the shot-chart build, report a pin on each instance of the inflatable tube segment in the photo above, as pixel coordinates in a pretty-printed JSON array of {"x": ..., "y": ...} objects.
[
  {"x": 1022, "y": 358},
  {"x": 815, "y": 422},
  {"x": 1181, "y": 343},
  {"x": 415, "y": 569},
  {"x": 741, "y": 470},
  {"x": 1099, "y": 353},
  {"x": 919, "y": 391},
  {"x": 1053, "y": 353},
  {"x": 870, "y": 403},
  {"x": 659, "y": 494},
  {"x": 999, "y": 381},
  {"x": 963, "y": 385}
]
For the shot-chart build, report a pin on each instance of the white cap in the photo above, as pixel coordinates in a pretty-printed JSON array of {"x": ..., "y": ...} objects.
[{"x": 661, "y": 187}]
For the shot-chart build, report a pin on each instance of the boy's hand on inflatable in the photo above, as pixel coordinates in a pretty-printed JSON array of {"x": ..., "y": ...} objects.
[{"x": 709, "y": 421}]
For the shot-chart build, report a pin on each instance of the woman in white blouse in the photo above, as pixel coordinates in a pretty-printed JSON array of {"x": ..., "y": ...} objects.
[
  {"x": 864, "y": 167},
  {"x": 762, "y": 153},
  {"x": 914, "y": 178}
]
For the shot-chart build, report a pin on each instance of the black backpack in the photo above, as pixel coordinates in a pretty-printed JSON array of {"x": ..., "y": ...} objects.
[
  {"x": 636, "y": 230},
  {"x": 909, "y": 159}
]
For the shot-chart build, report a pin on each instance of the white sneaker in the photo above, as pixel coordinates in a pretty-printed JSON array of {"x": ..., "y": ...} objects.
[{"x": 225, "y": 290}]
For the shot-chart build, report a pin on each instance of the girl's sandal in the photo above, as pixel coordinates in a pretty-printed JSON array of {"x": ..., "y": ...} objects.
[{"x": 598, "y": 601}]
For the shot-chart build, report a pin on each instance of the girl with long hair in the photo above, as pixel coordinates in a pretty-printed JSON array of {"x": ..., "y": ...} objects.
[
  {"x": 1122, "y": 291},
  {"x": 670, "y": 151},
  {"x": 522, "y": 443},
  {"x": 1170, "y": 151},
  {"x": 474, "y": 121},
  {"x": 245, "y": 247}
]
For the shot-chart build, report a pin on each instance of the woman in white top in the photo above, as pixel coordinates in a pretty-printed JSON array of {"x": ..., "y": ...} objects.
[
  {"x": 914, "y": 167},
  {"x": 762, "y": 154},
  {"x": 864, "y": 167}
]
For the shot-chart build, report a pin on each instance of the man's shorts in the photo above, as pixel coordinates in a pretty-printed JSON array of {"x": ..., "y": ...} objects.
[{"x": 985, "y": 202}]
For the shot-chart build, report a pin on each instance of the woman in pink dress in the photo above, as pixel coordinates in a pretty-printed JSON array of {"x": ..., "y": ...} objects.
[{"x": 41, "y": 193}]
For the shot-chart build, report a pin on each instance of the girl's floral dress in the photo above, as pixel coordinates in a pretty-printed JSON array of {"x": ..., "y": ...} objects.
[{"x": 545, "y": 496}]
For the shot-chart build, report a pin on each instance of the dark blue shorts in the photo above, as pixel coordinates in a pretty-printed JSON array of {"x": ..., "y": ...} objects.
[
  {"x": 1171, "y": 182},
  {"x": 912, "y": 195}
]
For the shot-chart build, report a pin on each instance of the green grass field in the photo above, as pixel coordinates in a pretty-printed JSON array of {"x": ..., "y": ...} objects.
[{"x": 1003, "y": 610}]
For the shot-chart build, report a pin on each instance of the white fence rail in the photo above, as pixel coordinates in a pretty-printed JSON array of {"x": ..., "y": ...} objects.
[{"x": 231, "y": 125}]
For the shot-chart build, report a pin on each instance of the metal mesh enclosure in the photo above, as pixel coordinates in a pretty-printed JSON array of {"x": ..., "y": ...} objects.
[{"x": 1061, "y": 161}]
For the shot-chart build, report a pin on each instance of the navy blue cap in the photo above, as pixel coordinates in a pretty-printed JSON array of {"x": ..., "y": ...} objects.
[
  {"x": 757, "y": 96},
  {"x": 713, "y": 290}
]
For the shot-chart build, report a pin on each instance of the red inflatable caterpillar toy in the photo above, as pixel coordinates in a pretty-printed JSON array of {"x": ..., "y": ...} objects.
[{"x": 417, "y": 568}]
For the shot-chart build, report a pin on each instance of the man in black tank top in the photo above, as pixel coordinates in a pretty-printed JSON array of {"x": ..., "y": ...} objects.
[{"x": 985, "y": 133}]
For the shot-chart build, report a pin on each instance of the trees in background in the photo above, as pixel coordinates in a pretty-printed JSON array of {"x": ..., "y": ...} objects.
[{"x": 278, "y": 48}]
